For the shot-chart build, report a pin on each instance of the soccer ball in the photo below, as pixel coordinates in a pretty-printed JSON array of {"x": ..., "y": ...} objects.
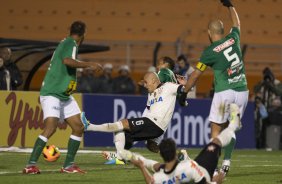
[{"x": 51, "y": 153}]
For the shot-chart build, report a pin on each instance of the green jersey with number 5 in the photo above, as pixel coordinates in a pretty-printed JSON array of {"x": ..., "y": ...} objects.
[
  {"x": 225, "y": 58},
  {"x": 60, "y": 80}
]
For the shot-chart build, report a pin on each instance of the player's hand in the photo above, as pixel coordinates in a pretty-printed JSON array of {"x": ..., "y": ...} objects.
[
  {"x": 96, "y": 67},
  {"x": 218, "y": 178},
  {"x": 181, "y": 79},
  {"x": 226, "y": 3},
  {"x": 183, "y": 99}
]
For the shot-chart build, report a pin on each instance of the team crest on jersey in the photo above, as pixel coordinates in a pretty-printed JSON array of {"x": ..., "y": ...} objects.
[{"x": 224, "y": 45}]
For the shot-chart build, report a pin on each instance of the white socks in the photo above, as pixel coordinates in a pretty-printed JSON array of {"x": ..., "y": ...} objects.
[
  {"x": 119, "y": 140},
  {"x": 225, "y": 136},
  {"x": 106, "y": 127}
]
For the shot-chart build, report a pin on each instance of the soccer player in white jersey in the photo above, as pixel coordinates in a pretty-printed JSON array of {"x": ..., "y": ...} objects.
[
  {"x": 200, "y": 170},
  {"x": 152, "y": 124}
]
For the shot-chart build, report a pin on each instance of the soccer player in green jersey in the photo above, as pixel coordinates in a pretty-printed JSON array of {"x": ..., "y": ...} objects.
[
  {"x": 57, "y": 102},
  {"x": 224, "y": 56},
  {"x": 165, "y": 69}
]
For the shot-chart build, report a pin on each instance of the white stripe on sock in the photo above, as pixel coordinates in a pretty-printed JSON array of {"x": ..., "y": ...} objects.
[
  {"x": 43, "y": 138},
  {"x": 76, "y": 138}
]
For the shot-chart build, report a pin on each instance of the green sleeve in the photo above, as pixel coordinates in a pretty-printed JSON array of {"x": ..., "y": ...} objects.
[
  {"x": 234, "y": 33},
  {"x": 207, "y": 57},
  {"x": 163, "y": 77},
  {"x": 69, "y": 50}
]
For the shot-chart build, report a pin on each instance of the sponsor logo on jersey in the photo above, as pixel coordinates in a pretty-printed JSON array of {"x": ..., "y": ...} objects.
[
  {"x": 175, "y": 179},
  {"x": 224, "y": 45},
  {"x": 155, "y": 100}
]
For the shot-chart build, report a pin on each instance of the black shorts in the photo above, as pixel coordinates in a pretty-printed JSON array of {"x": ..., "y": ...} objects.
[
  {"x": 141, "y": 129},
  {"x": 208, "y": 157}
]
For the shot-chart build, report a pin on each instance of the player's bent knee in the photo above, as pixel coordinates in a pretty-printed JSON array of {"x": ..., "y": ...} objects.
[{"x": 152, "y": 146}]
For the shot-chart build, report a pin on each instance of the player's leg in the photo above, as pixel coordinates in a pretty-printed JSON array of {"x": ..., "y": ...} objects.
[
  {"x": 219, "y": 112},
  {"x": 153, "y": 144},
  {"x": 105, "y": 127},
  {"x": 241, "y": 99},
  {"x": 209, "y": 156},
  {"x": 51, "y": 117},
  {"x": 71, "y": 114}
]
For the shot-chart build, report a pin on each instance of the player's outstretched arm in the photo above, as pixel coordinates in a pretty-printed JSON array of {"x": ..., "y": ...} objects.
[
  {"x": 147, "y": 176},
  {"x": 233, "y": 13},
  {"x": 82, "y": 64}
]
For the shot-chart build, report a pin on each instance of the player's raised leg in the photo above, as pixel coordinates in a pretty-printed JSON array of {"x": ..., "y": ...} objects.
[{"x": 119, "y": 137}]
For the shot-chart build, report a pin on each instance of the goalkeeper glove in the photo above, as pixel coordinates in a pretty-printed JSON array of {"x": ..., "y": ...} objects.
[
  {"x": 182, "y": 99},
  {"x": 226, "y": 3}
]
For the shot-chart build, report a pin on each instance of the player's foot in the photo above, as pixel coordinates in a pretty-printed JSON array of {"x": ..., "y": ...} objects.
[
  {"x": 115, "y": 161},
  {"x": 84, "y": 120},
  {"x": 225, "y": 166},
  {"x": 72, "y": 169},
  {"x": 31, "y": 170},
  {"x": 235, "y": 122},
  {"x": 107, "y": 155},
  {"x": 182, "y": 155}
]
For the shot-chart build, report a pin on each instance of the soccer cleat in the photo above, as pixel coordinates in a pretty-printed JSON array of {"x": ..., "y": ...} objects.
[
  {"x": 109, "y": 155},
  {"x": 115, "y": 161},
  {"x": 182, "y": 155},
  {"x": 235, "y": 122},
  {"x": 225, "y": 167},
  {"x": 72, "y": 169},
  {"x": 31, "y": 170},
  {"x": 84, "y": 120}
]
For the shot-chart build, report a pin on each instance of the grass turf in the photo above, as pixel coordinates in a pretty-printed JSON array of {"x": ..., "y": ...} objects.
[{"x": 248, "y": 167}]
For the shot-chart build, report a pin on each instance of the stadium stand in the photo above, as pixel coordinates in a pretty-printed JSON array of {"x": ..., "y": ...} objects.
[{"x": 132, "y": 28}]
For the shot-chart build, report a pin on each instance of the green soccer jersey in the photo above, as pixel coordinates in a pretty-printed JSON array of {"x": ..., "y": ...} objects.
[
  {"x": 225, "y": 58},
  {"x": 166, "y": 75},
  {"x": 60, "y": 80}
]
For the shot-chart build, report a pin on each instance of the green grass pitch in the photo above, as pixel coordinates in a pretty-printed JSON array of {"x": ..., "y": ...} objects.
[{"x": 248, "y": 167}]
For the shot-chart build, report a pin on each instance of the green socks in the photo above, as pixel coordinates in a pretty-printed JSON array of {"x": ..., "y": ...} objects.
[
  {"x": 73, "y": 146},
  {"x": 37, "y": 149},
  {"x": 229, "y": 149}
]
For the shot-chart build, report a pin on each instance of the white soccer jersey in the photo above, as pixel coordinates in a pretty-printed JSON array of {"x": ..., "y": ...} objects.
[
  {"x": 186, "y": 171},
  {"x": 161, "y": 104}
]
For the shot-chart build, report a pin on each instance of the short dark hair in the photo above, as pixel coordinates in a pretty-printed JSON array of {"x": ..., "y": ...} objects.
[
  {"x": 168, "y": 149},
  {"x": 170, "y": 62},
  {"x": 77, "y": 28},
  {"x": 182, "y": 57}
]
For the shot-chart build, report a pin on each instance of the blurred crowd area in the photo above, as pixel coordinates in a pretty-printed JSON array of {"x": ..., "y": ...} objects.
[
  {"x": 268, "y": 111},
  {"x": 266, "y": 93}
]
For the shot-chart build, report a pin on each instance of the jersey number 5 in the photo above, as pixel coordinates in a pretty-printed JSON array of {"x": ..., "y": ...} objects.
[{"x": 234, "y": 58}]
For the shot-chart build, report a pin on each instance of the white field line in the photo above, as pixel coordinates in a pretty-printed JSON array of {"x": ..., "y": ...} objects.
[
  {"x": 28, "y": 150},
  {"x": 97, "y": 168},
  {"x": 58, "y": 170}
]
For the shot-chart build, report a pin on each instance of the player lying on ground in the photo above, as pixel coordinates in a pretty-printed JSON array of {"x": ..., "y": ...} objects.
[
  {"x": 199, "y": 170},
  {"x": 152, "y": 124}
]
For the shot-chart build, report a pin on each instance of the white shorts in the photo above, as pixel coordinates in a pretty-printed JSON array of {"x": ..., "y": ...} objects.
[
  {"x": 219, "y": 112},
  {"x": 54, "y": 107}
]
